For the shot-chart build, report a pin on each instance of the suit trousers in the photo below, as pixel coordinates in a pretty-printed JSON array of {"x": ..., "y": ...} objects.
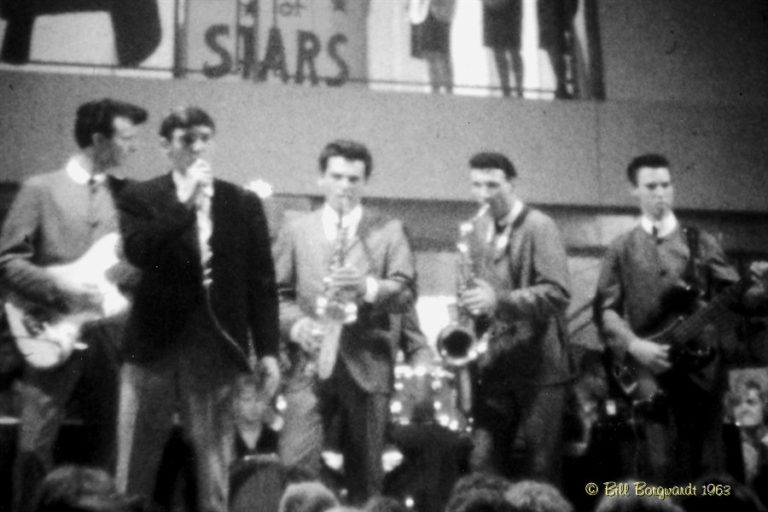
[
  {"x": 681, "y": 442},
  {"x": 357, "y": 419},
  {"x": 519, "y": 434},
  {"x": 196, "y": 380},
  {"x": 90, "y": 377}
]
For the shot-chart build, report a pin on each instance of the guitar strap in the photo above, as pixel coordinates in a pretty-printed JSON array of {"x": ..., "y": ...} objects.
[{"x": 692, "y": 274}]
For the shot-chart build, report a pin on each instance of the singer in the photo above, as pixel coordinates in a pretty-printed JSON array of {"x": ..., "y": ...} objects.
[{"x": 208, "y": 286}]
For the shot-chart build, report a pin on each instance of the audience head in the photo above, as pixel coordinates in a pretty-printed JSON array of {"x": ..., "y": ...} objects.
[
  {"x": 82, "y": 489},
  {"x": 481, "y": 480},
  {"x": 252, "y": 399},
  {"x": 747, "y": 400},
  {"x": 479, "y": 492},
  {"x": 384, "y": 504},
  {"x": 739, "y": 498},
  {"x": 634, "y": 503},
  {"x": 530, "y": 496},
  {"x": 307, "y": 497},
  {"x": 479, "y": 500}
]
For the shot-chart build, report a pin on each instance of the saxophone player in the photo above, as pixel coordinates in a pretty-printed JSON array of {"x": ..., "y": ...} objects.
[
  {"x": 365, "y": 257},
  {"x": 521, "y": 284}
]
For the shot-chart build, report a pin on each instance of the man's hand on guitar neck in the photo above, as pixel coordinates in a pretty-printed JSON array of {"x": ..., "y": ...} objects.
[{"x": 653, "y": 356}]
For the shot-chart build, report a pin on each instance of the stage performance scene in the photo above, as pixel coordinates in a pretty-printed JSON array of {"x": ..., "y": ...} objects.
[{"x": 383, "y": 256}]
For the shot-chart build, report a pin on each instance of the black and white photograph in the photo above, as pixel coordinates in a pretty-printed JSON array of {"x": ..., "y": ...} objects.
[{"x": 383, "y": 255}]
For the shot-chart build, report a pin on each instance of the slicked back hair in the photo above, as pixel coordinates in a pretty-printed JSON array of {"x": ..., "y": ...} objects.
[
  {"x": 98, "y": 116},
  {"x": 184, "y": 118},
  {"x": 493, "y": 160},
  {"x": 349, "y": 150},
  {"x": 652, "y": 160}
]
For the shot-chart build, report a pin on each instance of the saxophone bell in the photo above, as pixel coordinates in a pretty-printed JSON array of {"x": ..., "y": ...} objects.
[{"x": 458, "y": 343}]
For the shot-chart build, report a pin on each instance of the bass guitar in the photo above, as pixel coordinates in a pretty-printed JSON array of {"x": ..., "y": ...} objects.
[
  {"x": 682, "y": 332},
  {"x": 46, "y": 338}
]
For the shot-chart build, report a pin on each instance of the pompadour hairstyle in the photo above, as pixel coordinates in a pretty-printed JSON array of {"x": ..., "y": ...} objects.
[
  {"x": 185, "y": 118},
  {"x": 652, "y": 160},
  {"x": 98, "y": 117},
  {"x": 493, "y": 160},
  {"x": 349, "y": 150}
]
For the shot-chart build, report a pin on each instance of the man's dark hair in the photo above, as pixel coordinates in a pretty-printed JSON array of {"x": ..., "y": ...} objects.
[
  {"x": 98, "y": 117},
  {"x": 349, "y": 150},
  {"x": 479, "y": 500},
  {"x": 493, "y": 160},
  {"x": 184, "y": 118},
  {"x": 481, "y": 480},
  {"x": 82, "y": 489},
  {"x": 652, "y": 160},
  {"x": 531, "y": 496},
  {"x": 384, "y": 504}
]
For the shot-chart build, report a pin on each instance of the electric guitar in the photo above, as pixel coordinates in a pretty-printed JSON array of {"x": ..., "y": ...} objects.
[
  {"x": 682, "y": 332},
  {"x": 47, "y": 338}
]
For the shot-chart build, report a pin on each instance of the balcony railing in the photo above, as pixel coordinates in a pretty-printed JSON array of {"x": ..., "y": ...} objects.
[{"x": 538, "y": 49}]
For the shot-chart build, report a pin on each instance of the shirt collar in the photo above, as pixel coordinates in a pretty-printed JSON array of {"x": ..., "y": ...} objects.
[
  {"x": 514, "y": 213},
  {"x": 331, "y": 220},
  {"x": 501, "y": 235},
  {"x": 664, "y": 227},
  {"x": 79, "y": 174}
]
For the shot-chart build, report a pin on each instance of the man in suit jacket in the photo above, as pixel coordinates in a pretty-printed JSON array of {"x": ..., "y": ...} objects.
[
  {"x": 208, "y": 289},
  {"x": 521, "y": 287},
  {"x": 54, "y": 220},
  {"x": 376, "y": 275}
]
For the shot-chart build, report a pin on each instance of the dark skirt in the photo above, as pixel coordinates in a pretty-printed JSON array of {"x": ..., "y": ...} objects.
[
  {"x": 503, "y": 24},
  {"x": 432, "y": 35}
]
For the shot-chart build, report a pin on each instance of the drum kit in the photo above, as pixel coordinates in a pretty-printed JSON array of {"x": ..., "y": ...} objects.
[{"x": 435, "y": 388}]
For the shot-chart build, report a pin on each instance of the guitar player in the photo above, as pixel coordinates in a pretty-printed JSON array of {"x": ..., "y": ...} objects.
[
  {"x": 646, "y": 273},
  {"x": 54, "y": 220}
]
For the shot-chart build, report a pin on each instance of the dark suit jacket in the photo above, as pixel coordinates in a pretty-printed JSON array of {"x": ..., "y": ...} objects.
[
  {"x": 302, "y": 259},
  {"x": 530, "y": 277},
  {"x": 160, "y": 238}
]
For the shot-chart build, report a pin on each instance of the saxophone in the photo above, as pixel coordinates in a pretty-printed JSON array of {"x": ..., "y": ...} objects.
[
  {"x": 334, "y": 307},
  {"x": 460, "y": 342}
]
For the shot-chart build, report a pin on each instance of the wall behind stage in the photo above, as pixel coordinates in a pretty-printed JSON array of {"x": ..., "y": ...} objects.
[{"x": 568, "y": 153}]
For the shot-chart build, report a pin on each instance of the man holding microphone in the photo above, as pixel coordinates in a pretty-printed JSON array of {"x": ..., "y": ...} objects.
[{"x": 204, "y": 312}]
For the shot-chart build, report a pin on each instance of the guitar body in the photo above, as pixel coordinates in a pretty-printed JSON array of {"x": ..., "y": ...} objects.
[
  {"x": 47, "y": 338},
  {"x": 682, "y": 332}
]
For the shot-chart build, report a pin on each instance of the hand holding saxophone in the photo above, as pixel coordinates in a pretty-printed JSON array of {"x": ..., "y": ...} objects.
[
  {"x": 479, "y": 299},
  {"x": 348, "y": 279},
  {"x": 305, "y": 333}
]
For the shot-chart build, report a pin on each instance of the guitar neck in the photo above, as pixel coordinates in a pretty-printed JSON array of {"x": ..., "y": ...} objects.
[{"x": 713, "y": 313}]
